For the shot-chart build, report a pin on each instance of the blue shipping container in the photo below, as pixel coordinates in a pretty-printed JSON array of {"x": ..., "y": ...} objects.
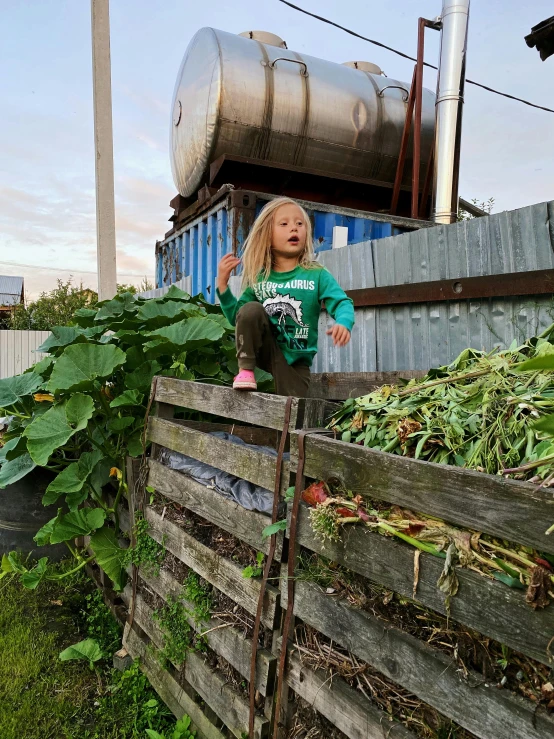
[{"x": 222, "y": 226}]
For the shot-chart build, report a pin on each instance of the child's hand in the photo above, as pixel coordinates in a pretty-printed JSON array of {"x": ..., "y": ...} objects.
[
  {"x": 224, "y": 269},
  {"x": 340, "y": 335}
]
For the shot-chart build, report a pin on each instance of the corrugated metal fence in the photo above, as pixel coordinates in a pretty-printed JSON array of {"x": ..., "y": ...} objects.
[
  {"x": 185, "y": 284},
  {"x": 423, "y": 335},
  {"x": 18, "y": 351}
]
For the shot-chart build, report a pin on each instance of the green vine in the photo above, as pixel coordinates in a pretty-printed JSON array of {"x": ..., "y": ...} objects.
[
  {"x": 147, "y": 552},
  {"x": 180, "y": 623}
]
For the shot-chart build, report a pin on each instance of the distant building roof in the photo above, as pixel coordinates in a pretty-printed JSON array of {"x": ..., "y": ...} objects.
[
  {"x": 11, "y": 290},
  {"x": 542, "y": 36}
]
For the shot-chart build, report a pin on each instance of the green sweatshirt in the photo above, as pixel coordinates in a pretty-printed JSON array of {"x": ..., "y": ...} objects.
[{"x": 292, "y": 301}]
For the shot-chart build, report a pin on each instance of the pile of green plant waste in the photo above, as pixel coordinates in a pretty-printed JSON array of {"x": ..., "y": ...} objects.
[
  {"x": 491, "y": 412},
  {"x": 80, "y": 411}
]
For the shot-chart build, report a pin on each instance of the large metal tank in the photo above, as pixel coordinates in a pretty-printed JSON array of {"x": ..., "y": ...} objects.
[{"x": 239, "y": 96}]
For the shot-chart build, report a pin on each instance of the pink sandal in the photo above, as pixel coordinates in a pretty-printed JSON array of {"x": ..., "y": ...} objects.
[{"x": 245, "y": 380}]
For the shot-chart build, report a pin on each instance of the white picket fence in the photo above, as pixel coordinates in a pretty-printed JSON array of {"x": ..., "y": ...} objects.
[{"x": 18, "y": 350}]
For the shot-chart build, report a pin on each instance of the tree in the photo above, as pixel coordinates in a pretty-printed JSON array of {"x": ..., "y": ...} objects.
[
  {"x": 144, "y": 286},
  {"x": 487, "y": 206},
  {"x": 54, "y": 308}
]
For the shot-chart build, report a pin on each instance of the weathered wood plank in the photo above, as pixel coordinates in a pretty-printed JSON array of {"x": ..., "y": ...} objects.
[
  {"x": 231, "y": 708},
  {"x": 235, "y": 459},
  {"x": 482, "y": 604},
  {"x": 261, "y": 409},
  {"x": 169, "y": 690},
  {"x": 226, "y": 641},
  {"x": 344, "y": 707},
  {"x": 228, "y": 515},
  {"x": 484, "y": 709},
  {"x": 343, "y": 385},
  {"x": 223, "y": 574},
  {"x": 507, "y": 509},
  {"x": 249, "y": 434}
]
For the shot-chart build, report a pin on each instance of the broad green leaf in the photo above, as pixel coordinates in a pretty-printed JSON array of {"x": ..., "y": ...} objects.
[
  {"x": 141, "y": 378},
  {"x": 220, "y": 318},
  {"x": 85, "y": 317},
  {"x": 42, "y": 367},
  {"x": 154, "y": 734},
  {"x": 128, "y": 397},
  {"x": 101, "y": 475},
  {"x": 545, "y": 362},
  {"x": 10, "y": 446},
  {"x": 109, "y": 555},
  {"x": 175, "y": 293},
  {"x": 191, "y": 332},
  {"x": 156, "y": 314},
  {"x": 74, "y": 500},
  {"x": 54, "y": 428},
  {"x": 31, "y": 579},
  {"x": 78, "y": 523},
  {"x": 123, "y": 303},
  {"x": 42, "y": 537},
  {"x": 545, "y": 424},
  {"x": 274, "y": 528},
  {"x": 80, "y": 364},
  {"x": 72, "y": 478},
  {"x": 14, "y": 559},
  {"x": 87, "y": 649},
  {"x": 134, "y": 444},
  {"x": 6, "y": 566},
  {"x": 134, "y": 357},
  {"x": 79, "y": 409},
  {"x": 130, "y": 337},
  {"x": 15, "y": 469},
  {"x": 207, "y": 368},
  {"x": 120, "y": 424},
  {"x": 62, "y": 336},
  {"x": 12, "y": 389}
]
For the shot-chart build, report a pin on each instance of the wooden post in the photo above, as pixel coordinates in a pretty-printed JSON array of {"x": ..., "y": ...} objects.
[{"x": 103, "y": 149}]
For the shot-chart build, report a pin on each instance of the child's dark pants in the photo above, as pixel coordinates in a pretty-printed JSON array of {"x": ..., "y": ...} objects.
[{"x": 257, "y": 347}]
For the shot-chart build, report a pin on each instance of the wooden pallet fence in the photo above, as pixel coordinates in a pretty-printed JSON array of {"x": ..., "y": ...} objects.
[
  {"x": 483, "y": 604},
  {"x": 505, "y": 509}
]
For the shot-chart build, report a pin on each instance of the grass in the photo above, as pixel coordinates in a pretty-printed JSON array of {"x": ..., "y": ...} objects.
[{"x": 44, "y": 698}]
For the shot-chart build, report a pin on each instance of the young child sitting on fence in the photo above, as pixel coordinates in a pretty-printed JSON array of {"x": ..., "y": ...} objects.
[{"x": 277, "y": 315}]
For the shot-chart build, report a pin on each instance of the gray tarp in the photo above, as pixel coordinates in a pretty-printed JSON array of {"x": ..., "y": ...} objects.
[{"x": 245, "y": 493}]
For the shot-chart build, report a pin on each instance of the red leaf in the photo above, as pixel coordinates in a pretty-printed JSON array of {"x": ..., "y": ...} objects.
[
  {"x": 342, "y": 511},
  {"x": 543, "y": 563},
  {"x": 315, "y": 494}
]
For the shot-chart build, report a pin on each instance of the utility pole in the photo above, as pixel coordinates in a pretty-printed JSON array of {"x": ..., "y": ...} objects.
[{"x": 103, "y": 149}]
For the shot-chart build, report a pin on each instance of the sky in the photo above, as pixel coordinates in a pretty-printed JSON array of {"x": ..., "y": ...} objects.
[{"x": 47, "y": 190}]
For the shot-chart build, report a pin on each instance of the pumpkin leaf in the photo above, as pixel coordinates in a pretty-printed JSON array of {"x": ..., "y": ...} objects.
[
  {"x": 12, "y": 389},
  {"x": 80, "y": 364},
  {"x": 109, "y": 555},
  {"x": 87, "y": 649}
]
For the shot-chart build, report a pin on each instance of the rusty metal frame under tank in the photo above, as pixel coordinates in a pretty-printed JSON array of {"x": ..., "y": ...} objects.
[
  {"x": 415, "y": 102},
  {"x": 536, "y": 282}
]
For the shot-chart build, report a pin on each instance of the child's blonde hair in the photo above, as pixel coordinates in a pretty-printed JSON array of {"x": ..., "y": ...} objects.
[{"x": 256, "y": 258}]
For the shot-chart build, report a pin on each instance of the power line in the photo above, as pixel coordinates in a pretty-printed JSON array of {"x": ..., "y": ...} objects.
[
  {"x": 407, "y": 56},
  {"x": 72, "y": 271}
]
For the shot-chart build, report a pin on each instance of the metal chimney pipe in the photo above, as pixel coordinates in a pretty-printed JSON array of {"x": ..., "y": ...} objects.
[{"x": 448, "y": 112}]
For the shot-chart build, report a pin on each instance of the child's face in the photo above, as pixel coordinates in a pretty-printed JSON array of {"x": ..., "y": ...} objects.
[{"x": 288, "y": 238}]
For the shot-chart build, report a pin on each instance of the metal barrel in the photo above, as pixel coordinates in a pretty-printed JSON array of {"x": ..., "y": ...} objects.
[
  {"x": 241, "y": 97},
  {"x": 22, "y": 515}
]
